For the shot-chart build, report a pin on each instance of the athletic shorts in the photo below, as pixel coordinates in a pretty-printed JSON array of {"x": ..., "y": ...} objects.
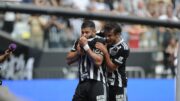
[
  {"x": 90, "y": 90},
  {"x": 117, "y": 93}
]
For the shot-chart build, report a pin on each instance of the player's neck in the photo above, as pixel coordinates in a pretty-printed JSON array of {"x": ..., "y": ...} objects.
[{"x": 117, "y": 40}]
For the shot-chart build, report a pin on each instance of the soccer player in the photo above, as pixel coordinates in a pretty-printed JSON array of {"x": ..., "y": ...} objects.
[
  {"x": 116, "y": 53},
  {"x": 92, "y": 83}
]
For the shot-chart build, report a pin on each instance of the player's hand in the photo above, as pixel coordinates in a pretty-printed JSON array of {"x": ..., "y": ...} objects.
[
  {"x": 101, "y": 47},
  {"x": 83, "y": 41},
  {"x": 79, "y": 50},
  {"x": 7, "y": 52}
]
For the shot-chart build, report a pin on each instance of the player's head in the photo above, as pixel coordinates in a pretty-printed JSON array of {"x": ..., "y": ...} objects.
[
  {"x": 88, "y": 29},
  {"x": 112, "y": 32}
]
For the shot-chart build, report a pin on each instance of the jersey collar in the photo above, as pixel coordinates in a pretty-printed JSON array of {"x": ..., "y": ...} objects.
[{"x": 119, "y": 42}]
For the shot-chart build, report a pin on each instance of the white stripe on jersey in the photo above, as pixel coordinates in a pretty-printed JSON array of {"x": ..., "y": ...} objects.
[
  {"x": 85, "y": 63},
  {"x": 100, "y": 72},
  {"x": 105, "y": 92},
  {"x": 125, "y": 94},
  {"x": 125, "y": 46},
  {"x": 91, "y": 70},
  {"x": 99, "y": 75},
  {"x": 113, "y": 77},
  {"x": 119, "y": 78},
  {"x": 80, "y": 67},
  {"x": 73, "y": 48}
]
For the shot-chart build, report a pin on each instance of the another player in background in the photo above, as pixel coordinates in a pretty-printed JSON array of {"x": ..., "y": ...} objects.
[
  {"x": 4, "y": 56},
  {"x": 116, "y": 53},
  {"x": 8, "y": 52},
  {"x": 92, "y": 83}
]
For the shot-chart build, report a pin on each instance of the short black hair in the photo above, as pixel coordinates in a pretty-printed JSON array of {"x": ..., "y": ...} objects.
[
  {"x": 112, "y": 26},
  {"x": 88, "y": 23}
]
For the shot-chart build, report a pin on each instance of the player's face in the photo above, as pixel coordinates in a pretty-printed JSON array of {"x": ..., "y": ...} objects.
[
  {"x": 111, "y": 38},
  {"x": 87, "y": 32}
]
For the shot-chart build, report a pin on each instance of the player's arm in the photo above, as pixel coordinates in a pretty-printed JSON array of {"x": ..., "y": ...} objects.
[
  {"x": 72, "y": 57},
  {"x": 4, "y": 56},
  {"x": 74, "y": 54},
  {"x": 112, "y": 66},
  {"x": 95, "y": 56}
]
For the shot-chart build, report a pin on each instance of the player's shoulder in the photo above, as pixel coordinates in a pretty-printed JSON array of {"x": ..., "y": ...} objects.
[
  {"x": 97, "y": 39},
  {"x": 123, "y": 45}
]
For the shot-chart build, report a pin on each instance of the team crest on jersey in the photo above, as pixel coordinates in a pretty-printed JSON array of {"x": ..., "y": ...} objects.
[{"x": 114, "y": 51}]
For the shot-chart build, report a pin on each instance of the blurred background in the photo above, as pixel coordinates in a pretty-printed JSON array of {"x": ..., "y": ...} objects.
[{"x": 37, "y": 70}]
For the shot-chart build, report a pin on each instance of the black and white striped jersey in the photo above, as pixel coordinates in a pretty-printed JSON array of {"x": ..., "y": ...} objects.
[
  {"x": 118, "y": 54},
  {"x": 87, "y": 69}
]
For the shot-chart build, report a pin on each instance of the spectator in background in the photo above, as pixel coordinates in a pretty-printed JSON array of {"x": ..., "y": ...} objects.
[
  {"x": 135, "y": 31},
  {"x": 120, "y": 10},
  {"x": 166, "y": 34},
  {"x": 9, "y": 20},
  {"x": 41, "y": 3},
  {"x": 141, "y": 10},
  {"x": 178, "y": 11},
  {"x": 109, "y": 3},
  {"x": 171, "y": 51},
  {"x": 54, "y": 29},
  {"x": 37, "y": 24},
  {"x": 4, "y": 56},
  {"x": 21, "y": 27},
  {"x": 161, "y": 7},
  {"x": 169, "y": 16},
  {"x": 53, "y": 3},
  {"x": 98, "y": 6}
]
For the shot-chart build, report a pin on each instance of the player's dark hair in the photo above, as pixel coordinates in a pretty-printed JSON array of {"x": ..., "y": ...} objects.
[
  {"x": 88, "y": 23},
  {"x": 112, "y": 27}
]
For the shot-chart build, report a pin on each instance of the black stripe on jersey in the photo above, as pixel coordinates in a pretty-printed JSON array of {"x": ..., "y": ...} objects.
[{"x": 88, "y": 70}]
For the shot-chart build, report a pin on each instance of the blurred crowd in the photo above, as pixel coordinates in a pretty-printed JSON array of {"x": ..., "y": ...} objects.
[
  {"x": 16, "y": 68},
  {"x": 51, "y": 31}
]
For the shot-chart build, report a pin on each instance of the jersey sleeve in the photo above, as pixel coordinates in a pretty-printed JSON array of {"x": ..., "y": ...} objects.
[
  {"x": 74, "y": 48},
  {"x": 97, "y": 51}
]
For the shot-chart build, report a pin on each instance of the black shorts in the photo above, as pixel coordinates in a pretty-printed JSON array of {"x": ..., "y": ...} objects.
[
  {"x": 117, "y": 93},
  {"x": 90, "y": 90}
]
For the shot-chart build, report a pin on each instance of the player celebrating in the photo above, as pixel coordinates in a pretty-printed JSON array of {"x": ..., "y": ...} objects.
[
  {"x": 116, "y": 54},
  {"x": 92, "y": 84}
]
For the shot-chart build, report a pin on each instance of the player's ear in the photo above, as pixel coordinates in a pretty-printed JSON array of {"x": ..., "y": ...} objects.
[{"x": 94, "y": 31}]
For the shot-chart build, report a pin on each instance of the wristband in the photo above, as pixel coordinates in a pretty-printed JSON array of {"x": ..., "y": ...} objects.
[{"x": 86, "y": 47}]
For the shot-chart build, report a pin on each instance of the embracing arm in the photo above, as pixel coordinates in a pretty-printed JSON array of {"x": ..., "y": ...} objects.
[
  {"x": 111, "y": 66},
  {"x": 97, "y": 58}
]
